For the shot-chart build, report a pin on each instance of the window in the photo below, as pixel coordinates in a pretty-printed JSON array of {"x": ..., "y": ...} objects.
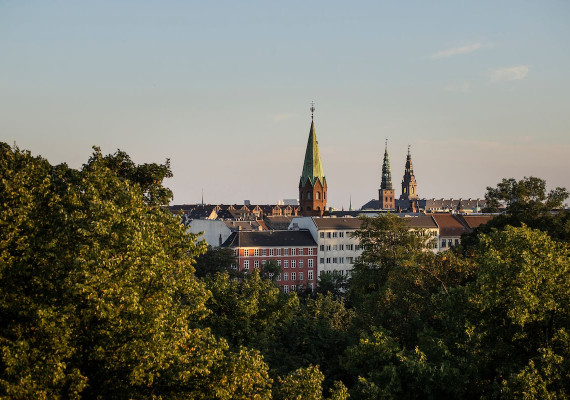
[
  {"x": 341, "y": 260},
  {"x": 341, "y": 234},
  {"x": 263, "y": 252},
  {"x": 235, "y": 252},
  {"x": 350, "y": 247},
  {"x": 285, "y": 263},
  {"x": 278, "y": 252},
  {"x": 256, "y": 264},
  {"x": 328, "y": 235},
  {"x": 286, "y": 289},
  {"x": 335, "y": 234},
  {"x": 263, "y": 262},
  {"x": 318, "y": 195},
  {"x": 279, "y": 263},
  {"x": 310, "y": 275},
  {"x": 246, "y": 252},
  {"x": 456, "y": 242},
  {"x": 328, "y": 247},
  {"x": 300, "y": 276},
  {"x": 322, "y": 235},
  {"x": 293, "y": 276},
  {"x": 322, "y": 247},
  {"x": 279, "y": 276},
  {"x": 300, "y": 263},
  {"x": 311, "y": 285},
  {"x": 293, "y": 264},
  {"x": 293, "y": 288},
  {"x": 293, "y": 252},
  {"x": 234, "y": 266},
  {"x": 286, "y": 276},
  {"x": 328, "y": 260},
  {"x": 335, "y": 260},
  {"x": 349, "y": 259},
  {"x": 341, "y": 246},
  {"x": 310, "y": 262},
  {"x": 449, "y": 243},
  {"x": 270, "y": 252},
  {"x": 285, "y": 252},
  {"x": 246, "y": 264},
  {"x": 256, "y": 252},
  {"x": 311, "y": 251},
  {"x": 271, "y": 275},
  {"x": 322, "y": 260},
  {"x": 443, "y": 243}
]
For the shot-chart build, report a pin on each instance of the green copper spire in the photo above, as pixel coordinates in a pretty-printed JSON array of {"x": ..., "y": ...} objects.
[
  {"x": 386, "y": 174},
  {"x": 312, "y": 167},
  {"x": 350, "y": 203}
]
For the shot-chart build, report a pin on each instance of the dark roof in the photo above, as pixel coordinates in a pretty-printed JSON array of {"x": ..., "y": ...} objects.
[
  {"x": 449, "y": 225},
  {"x": 337, "y": 223},
  {"x": 421, "y": 221},
  {"x": 473, "y": 221},
  {"x": 278, "y": 221},
  {"x": 270, "y": 239}
]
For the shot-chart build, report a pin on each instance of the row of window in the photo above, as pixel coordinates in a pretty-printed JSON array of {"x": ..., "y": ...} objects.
[
  {"x": 337, "y": 260},
  {"x": 333, "y": 234},
  {"x": 308, "y": 195},
  {"x": 285, "y": 263},
  {"x": 285, "y": 276},
  {"x": 276, "y": 252},
  {"x": 349, "y": 247},
  {"x": 449, "y": 242},
  {"x": 294, "y": 288}
]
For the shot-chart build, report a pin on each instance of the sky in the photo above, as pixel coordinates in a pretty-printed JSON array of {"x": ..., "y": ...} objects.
[{"x": 480, "y": 90}]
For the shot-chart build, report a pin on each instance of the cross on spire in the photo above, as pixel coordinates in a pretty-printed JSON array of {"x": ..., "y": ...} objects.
[{"x": 312, "y": 109}]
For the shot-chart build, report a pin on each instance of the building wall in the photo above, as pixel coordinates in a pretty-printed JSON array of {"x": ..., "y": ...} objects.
[
  {"x": 329, "y": 243},
  {"x": 298, "y": 264},
  {"x": 210, "y": 230}
]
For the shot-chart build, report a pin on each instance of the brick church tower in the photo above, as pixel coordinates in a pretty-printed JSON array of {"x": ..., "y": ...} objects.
[
  {"x": 313, "y": 184},
  {"x": 386, "y": 192}
]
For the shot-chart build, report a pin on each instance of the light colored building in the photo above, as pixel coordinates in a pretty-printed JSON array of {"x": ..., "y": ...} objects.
[{"x": 336, "y": 248}]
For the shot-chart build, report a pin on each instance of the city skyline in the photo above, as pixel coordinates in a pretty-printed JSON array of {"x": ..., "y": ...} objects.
[{"x": 480, "y": 92}]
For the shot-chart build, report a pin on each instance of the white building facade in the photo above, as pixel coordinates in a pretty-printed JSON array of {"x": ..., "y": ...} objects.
[{"x": 336, "y": 248}]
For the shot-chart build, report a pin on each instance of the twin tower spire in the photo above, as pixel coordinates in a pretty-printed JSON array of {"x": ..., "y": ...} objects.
[{"x": 409, "y": 184}]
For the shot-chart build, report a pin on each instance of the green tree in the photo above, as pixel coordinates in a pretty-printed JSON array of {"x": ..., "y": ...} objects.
[
  {"x": 245, "y": 311},
  {"x": 333, "y": 283},
  {"x": 97, "y": 292},
  {"x": 317, "y": 333},
  {"x": 214, "y": 260},
  {"x": 306, "y": 384}
]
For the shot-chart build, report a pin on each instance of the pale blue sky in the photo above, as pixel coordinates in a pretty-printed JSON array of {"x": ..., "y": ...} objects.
[{"x": 481, "y": 90}]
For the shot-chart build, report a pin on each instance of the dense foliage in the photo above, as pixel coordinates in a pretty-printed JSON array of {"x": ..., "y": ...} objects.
[{"x": 103, "y": 294}]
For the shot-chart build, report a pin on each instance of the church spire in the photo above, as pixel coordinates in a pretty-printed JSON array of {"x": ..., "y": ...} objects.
[
  {"x": 409, "y": 184},
  {"x": 386, "y": 174},
  {"x": 313, "y": 184},
  {"x": 312, "y": 166}
]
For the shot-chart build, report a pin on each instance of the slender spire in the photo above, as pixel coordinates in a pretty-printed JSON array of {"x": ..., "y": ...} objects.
[
  {"x": 312, "y": 166},
  {"x": 409, "y": 184},
  {"x": 350, "y": 204},
  {"x": 386, "y": 174},
  {"x": 202, "y": 196}
]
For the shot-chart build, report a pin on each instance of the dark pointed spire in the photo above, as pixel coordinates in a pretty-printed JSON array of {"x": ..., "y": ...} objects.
[
  {"x": 312, "y": 166},
  {"x": 386, "y": 174}
]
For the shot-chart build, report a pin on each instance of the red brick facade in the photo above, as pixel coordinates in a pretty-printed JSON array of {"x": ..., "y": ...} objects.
[{"x": 298, "y": 264}]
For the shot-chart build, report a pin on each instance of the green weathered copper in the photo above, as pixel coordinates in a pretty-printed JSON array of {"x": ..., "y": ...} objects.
[
  {"x": 386, "y": 174},
  {"x": 312, "y": 167}
]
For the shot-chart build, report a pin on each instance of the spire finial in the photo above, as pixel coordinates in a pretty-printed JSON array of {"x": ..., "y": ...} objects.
[
  {"x": 202, "y": 196},
  {"x": 312, "y": 109},
  {"x": 409, "y": 148},
  {"x": 386, "y": 144}
]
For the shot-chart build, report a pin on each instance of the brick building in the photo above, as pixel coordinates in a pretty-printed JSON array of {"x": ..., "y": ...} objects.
[{"x": 294, "y": 251}]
